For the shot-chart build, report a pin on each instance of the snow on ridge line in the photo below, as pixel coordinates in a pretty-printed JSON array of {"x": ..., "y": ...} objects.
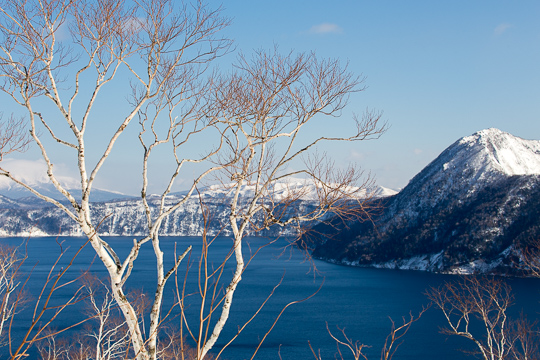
[
  {"x": 305, "y": 188},
  {"x": 382, "y": 191},
  {"x": 493, "y": 149}
]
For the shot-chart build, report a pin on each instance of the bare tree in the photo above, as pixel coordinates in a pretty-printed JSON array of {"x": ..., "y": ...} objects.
[
  {"x": 476, "y": 308},
  {"x": 265, "y": 105},
  {"x": 46, "y": 308},
  {"x": 394, "y": 339},
  {"x": 52, "y": 348},
  {"x": 391, "y": 344},
  {"x": 104, "y": 336},
  {"x": 165, "y": 49},
  {"x": 255, "y": 115},
  {"x": 10, "y": 262},
  {"x": 525, "y": 339},
  {"x": 355, "y": 347},
  {"x": 211, "y": 278},
  {"x": 110, "y": 336}
]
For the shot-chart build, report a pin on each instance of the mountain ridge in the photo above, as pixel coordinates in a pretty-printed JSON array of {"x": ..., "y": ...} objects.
[
  {"x": 456, "y": 215},
  {"x": 468, "y": 210},
  {"x": 127, "y": 216}
]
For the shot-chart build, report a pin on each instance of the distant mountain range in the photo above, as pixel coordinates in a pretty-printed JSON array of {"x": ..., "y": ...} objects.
[
  {"x": 126, "y": 216},
  {"x": 467, "y": 211},
  {"x": 17, "y": 192}
]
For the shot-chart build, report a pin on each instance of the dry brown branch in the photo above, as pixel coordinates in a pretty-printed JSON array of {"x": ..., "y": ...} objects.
[
  {"x": 391, "y": 343},
  {"x": 40, "y": 327},
  {"x": 525, "y": 339},
  {"x": 393, "y": 340},
  {"x": 263, "y": 107},
  {"x": 10, "y": 263},
  {"x": 354, "y": 347},
  {"x": 530, "y": 258},
  {"x": 14, "y": 136},
  {"x": 164, "y": 48},
  {"x": 58, "y": 59}
]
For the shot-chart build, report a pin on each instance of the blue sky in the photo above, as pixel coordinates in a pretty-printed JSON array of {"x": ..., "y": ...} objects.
[{"x": 439, "y": 70}]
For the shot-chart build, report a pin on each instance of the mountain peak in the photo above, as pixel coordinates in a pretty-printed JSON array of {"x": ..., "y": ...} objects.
[
  {"x": 491, "y": 132},
  {"x": 496, "y": 150},
  {"x": 466, "y": 211},
  {"x": 469, "y": 165}
]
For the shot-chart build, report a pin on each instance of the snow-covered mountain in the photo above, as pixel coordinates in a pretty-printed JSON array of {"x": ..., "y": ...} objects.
[
  {"x": 34, "y": 174},
  {"x": 18, "y": 192},
  {"x": 123, "y": 217},
  {"x": 7, "y": 203},
  {"x": 466, "y": 211},
  {"x": 303, "y": 189}
]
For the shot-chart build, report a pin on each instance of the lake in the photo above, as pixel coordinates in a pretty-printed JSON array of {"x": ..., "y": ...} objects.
[{"x": 360, "y": 300}]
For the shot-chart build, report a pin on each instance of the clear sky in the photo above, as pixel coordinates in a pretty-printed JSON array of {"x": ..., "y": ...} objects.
[{"x": 439, "y": 70}]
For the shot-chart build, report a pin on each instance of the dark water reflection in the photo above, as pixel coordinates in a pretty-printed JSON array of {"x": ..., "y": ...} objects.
[{"x": 360, "y": 300}]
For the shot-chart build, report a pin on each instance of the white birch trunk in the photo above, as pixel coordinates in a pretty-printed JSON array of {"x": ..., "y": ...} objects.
[
  {"x": 227, "y": 302},
  {"x": 115, "y": 275}
]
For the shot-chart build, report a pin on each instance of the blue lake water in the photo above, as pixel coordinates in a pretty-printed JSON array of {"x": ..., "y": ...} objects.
[{"x": 361, "y": 300}]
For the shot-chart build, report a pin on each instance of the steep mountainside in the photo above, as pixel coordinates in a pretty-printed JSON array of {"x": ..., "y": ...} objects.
[{"x": 464, "y": 212}]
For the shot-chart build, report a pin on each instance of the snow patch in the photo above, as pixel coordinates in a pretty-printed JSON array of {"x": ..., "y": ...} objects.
[
  {"x": 482, "y": 266},
  {"x": 426, "y": 262},
  {"x": 500, "y": 151}
]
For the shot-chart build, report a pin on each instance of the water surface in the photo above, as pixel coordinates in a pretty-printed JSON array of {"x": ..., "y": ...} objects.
[{"x": 359, "y": 300}]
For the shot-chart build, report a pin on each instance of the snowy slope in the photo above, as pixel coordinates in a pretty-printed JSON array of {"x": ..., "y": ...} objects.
[
  {"x": 493, "y": 150},
  {"x": 466, "y": 210},
  {"x": 469, "y": 165},
  {"x": 303, "y": 189},
  {"x": 123, "y": 217},
  {"x": 6, "y": 202}
]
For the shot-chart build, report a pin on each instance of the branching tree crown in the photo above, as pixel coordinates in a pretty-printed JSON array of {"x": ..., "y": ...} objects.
[{"x": 162, "y": 51}]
